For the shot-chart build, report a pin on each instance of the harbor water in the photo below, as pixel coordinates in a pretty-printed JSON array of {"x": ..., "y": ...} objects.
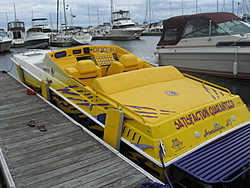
[{"x": 143, "y": 48}]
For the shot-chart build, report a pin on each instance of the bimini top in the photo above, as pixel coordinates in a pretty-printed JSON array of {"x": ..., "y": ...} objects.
[{"x": 176, "y": 28}]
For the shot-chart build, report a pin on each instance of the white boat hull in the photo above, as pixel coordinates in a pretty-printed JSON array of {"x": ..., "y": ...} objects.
[
  {"x": 227, "y": 62},
  {"x": 17, "y": 43},
  {"x": 5, "y": 45},
  {"x": 37, "y": 43},
  {"x": 133, "y": 34},
  {"x": 82, "y": 39}
]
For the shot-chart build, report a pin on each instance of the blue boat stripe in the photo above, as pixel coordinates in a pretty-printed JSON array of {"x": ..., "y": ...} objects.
[
  {"x": 71, "y": 93},
  {"x": 72, "y": 86},
  {"x": 145, "y": 112},
  {"x": 63, "y": 89},
  {"x": 138, "y": 107},
  {"x": 168, "y": 111},
  {"x": 150, "y": 116},
  {"x": 86, "y": 104},
  {"x": 88, "y": 77},
  {"x": 164, "y": 114},
  {"x": 76, "y": 99}
]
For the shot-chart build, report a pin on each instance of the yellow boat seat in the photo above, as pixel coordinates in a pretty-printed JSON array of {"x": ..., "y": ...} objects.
[
  {"x": 127, "y": 62},
  {"x": 126, "y": 81},
  {"x": 85, "y": 71}
]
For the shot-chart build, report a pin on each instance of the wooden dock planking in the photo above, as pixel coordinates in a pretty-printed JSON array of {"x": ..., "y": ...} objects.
[{"x": 66, "y": 155}]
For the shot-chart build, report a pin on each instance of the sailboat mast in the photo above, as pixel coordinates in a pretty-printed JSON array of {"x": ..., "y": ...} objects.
[
  {"x": 15, "y": 12},
  {"x": 88, "y": 15},
  {"x": 57, "y": 15},
  {"x": 97, "y": 16},
  {"x": 112, "y": 9},
  {"x": 65, "y": 20}
]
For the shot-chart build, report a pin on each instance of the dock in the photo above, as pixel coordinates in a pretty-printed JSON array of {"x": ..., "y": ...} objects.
[{"x": 66, "y": 155}]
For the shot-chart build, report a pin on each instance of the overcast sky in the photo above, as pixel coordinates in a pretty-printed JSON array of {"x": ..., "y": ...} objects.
[{"x": 94, "y": 12}]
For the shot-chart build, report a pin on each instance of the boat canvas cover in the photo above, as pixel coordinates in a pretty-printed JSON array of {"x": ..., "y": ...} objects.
[
  {"x": 221, "y": 162},
  {"x": 176, "y": 25}
]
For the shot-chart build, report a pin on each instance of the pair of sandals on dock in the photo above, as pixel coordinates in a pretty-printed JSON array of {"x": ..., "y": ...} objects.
[{"x": 40, "y": 127}]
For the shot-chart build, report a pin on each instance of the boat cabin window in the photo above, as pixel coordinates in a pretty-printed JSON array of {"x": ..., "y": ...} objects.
[
  {"x": 17, "y": 34},
  {"x": 32, "y": 30},
  {"x": 235, "y": 27},
  {"x": 171, "y": 34},
  {"x": 3, "y": 34},
  {"x": 194, "y": 25},
  {"x": 47, "y": 31},
  {"x": 201, "y": 28}
]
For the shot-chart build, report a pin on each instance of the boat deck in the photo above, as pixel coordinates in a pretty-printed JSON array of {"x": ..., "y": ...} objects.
[{"x": 66, "y": 155}]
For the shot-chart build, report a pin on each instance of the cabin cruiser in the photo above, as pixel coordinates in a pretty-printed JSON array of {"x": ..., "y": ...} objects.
[
  {"x": 5, "y": 41},
  {"x": 38, "y": 35},
  {"x": 121, "y": 28},
  {"x": 122, "y": 25},
  {"x": 208, "y": 43},
  {"x": 16, "y": 32},
  {"x": 183, "y": 130}
]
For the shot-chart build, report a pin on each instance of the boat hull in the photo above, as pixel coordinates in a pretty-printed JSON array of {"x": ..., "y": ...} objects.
[
  {"x": 17, "y": 43},
  {"x": 5, "y": 46},
  {"x": 36, "y": 43},
  {"x": 80, "y": 39},
  {"x": 120, "y": 34},
  {"x": 231, "y": 62}
]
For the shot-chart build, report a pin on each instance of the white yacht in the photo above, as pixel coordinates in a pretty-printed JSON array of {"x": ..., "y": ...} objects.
[
  {"x": 38, "y": 35},
  {"x": 16, "y": 31},
  {"x": 209, "y": 43},
  {"x": 122, "y": 25},
  {"x": 121, "y": 28}
]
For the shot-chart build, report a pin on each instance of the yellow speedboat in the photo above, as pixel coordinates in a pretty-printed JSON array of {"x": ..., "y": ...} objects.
[{"x": 164, "y": 119}]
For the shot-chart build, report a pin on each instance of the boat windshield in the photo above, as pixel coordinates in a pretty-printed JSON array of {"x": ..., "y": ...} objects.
[
  {"x": 124, "y": 26},
  {"x": 235, "y": 27},
  {"x": 201, "y": 28},
  {"x": 3, "y": 34}
]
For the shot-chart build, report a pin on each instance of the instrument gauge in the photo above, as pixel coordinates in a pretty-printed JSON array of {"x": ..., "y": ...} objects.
[
  {"x": 94, "y": 49},
  {"x": 100, "y": 49},
  {"x": 104, "y": 49}
]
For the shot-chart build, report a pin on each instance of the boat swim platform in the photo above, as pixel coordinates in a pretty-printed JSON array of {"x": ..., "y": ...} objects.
[{"x": 66, "y": 155}]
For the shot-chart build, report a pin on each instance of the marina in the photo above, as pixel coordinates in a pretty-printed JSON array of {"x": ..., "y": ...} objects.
[
  {"x": 144, "y": 48},
  {"x": 125, "y": 94}
]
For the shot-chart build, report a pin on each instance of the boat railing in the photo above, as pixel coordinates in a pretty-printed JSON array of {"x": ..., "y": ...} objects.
[{"x": 208, "y": 83}]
